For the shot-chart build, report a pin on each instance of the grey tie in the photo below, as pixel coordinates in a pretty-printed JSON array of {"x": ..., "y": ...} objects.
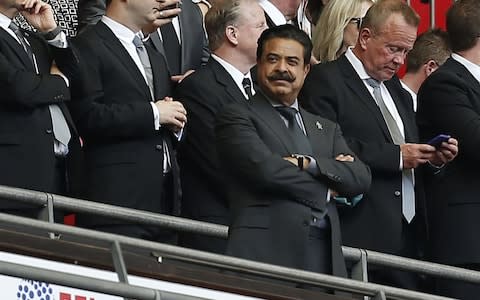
[
  {"x": 408, "y": 191},
  {"x": 59, "y": 124},
  {"x": 142, "y": 53}
]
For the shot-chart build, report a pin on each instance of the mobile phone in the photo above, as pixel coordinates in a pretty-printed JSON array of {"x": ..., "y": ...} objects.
[
  {"x": 438, "y": 140},
  {"x": 173, "y": 6}
]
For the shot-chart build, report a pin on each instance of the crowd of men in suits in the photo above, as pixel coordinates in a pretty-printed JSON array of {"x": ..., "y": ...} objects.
[{"x": 142, "y": 110}]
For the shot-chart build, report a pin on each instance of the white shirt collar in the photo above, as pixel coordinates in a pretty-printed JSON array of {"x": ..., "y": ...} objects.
[
  {"x": 236, "y": 74},
  {"x": 4, "y": 21},
  {"x": 412, "y": 93},
  {"x": 357, "y": 64},
  {"x": 122, "y": 32},
  {"x": 474, "y": 69},
  {"x": 273, "y": 12}
]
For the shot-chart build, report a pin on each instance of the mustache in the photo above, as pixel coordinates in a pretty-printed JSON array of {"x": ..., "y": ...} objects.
[{"x": 281, "y": 76}]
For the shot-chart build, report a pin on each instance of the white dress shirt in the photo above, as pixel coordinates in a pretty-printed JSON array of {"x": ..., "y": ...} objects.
[
  {"x": 273, "y": 12},
  {"x": 473, "y": 68},
  {"x": 236, "y": 75},
  {"x": 412, "y": 93}
]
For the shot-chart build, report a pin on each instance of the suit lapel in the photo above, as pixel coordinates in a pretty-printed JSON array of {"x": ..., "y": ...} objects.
[
  {"x": 314, "y": 130},
  {"x": 223, "y": 78},
  {"x": 158, "y": 63},
  {"x": 271, "y": 118},
  {"x": 17, "y": 49},
  {"x": 408, "y": 117},
  {"x": 358, "y": 87},
  {"x": 111, "y": 42},
  {"x": 183, "y": 17}
]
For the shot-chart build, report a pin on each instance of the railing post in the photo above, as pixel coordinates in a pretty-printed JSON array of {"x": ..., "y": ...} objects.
[
  {"x": 432, "y": 14},
  {"x": 380, "y": 296},
  {"x": 47, "y": 214},
  {"x": 119, "y": 263}
]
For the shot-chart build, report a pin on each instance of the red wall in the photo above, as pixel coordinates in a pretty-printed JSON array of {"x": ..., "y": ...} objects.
[{"x": 423, "y": 9}]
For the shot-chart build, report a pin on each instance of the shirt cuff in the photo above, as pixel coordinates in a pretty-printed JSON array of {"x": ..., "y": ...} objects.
[
  {"x": 60, "y": 41},
  {"x": 312, "y": 167},
  {"x": 156, "y": 116},
  {"x": 401, "y": 162}
]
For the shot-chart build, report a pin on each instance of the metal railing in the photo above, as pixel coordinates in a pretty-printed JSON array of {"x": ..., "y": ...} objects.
[
  {"x": 181, "y": 254},
  {"x": 360, "y": 257}
]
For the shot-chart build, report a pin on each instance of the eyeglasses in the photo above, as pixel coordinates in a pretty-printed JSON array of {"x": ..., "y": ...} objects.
[{"x": 357, "y": 21}]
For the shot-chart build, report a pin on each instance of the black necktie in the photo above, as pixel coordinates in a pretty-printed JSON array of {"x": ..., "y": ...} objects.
[
  {"x": 22, "y": 40},
  {"x": 172, "y": 48},
  {"x": 247, "y": 86},
  {"x": 301, "y": 142}
]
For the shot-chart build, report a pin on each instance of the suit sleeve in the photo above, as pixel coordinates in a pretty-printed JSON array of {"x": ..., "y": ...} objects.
[
  {"x": 347, "y": 178},
  {"x": 244, "y": 155},
  {"x": 27, "y": 89},
  {"x": 101, "y": 117},
  {"x": 321, "y": 95},
  {"x": 448, "y": 105},
  {"x": 202, "y": 106}
]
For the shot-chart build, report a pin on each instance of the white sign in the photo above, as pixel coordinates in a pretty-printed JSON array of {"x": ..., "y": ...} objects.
[{"x": 12, "y": 288}]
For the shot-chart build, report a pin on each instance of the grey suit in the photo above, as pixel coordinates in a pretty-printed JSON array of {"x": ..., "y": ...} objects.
[{"x": 272, "y": 201}]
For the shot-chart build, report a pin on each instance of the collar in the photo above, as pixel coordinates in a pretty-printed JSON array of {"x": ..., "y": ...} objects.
[
  {"x": 122, "y": 32},
  {"x": 356, "y": 64},
  {"x": 4, "y": 21},
  {"x": 273, "y": 12},
  {"x": 474, "y": 69},
  {"x": 234, "y": 72}
]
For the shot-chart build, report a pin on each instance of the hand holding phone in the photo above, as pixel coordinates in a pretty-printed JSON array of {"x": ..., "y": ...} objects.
[{"x": 438, "y": 140}]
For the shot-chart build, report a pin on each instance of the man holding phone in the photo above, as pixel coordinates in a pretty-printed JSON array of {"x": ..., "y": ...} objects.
[
  {"x": 37, "y": 136},
  {"x": 361, "y": 92}
]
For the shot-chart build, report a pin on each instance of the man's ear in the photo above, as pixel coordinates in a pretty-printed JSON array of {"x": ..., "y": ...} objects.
[
  {"x": 430, "y": 67},
  {"x": 363, "y": 36},
  {"x": 231, "y": 34},
  {"x": 307, "y": 69}
]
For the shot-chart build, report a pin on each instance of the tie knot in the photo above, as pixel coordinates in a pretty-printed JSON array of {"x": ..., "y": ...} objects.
[
  {"x": 137, "y": 41},
  {"x": 246, "y": 83},
  {"x": 373, "y": 83},
  {"x": 288, "y": 113},
  {"x": 14, "y": 27}
]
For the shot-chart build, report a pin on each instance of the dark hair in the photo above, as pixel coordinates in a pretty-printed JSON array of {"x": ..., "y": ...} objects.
[
  {"x": 288, "y": 32},
  {"x": 463, "y": 24},
  {"x": 430, "y": 45}
]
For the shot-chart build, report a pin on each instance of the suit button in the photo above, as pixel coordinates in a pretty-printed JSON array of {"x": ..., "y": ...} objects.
[
  {"x": 306, "y": 223},
  {"x": 159, "y": 147},
  {"x": 48, "y": 131},
  {"x": 397, "y": 193}
]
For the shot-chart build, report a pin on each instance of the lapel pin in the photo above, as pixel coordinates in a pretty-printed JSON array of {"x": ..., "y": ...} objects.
[{"x": 319, "y": 125}]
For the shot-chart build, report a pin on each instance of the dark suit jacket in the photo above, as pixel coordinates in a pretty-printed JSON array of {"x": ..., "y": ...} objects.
[
  {"x": 194, "y": 43},
  {"x": 124, "y": 153},
  {"x": 26, "y": 137},
  {"x": 449, "y": 103},
  {"x": 193, "y": 39},
  {"x": 205, "y": 199},
  {"x": 271, "y": 199},
  {"x": 334, "y": 91}
]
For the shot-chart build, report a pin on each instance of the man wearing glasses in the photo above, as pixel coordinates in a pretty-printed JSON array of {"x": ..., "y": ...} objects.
[{"x": 360, "y": 91}]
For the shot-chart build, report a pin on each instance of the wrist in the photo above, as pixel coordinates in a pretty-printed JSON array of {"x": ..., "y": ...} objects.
[{"x": 51, "y": 33}]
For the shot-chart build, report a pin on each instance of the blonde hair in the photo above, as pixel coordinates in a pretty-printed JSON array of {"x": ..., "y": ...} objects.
[{"x": 327, "y": 37}]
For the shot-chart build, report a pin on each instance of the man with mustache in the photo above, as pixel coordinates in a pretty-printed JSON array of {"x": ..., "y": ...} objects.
[
  {"x": 282, "y": 164},
  {"x": 361, "y": 92},
  {"x": 37, "y": 137}
]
